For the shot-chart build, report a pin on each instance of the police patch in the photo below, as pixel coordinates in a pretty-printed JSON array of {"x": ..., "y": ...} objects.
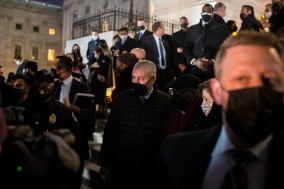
[{"x": 52, "y": 118}]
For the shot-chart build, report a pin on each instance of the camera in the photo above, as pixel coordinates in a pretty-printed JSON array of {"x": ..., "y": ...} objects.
[{"x": 34, "y": 161}]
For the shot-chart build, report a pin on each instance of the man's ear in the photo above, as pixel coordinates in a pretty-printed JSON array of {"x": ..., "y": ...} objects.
[
  {"x": 154, "y": 78},
  {"x": 216, "y": 89}
]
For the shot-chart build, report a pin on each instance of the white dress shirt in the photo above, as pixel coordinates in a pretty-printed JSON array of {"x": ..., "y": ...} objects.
[
  {"x": 164, "y": 51},
  {"x": 65, "y": 88}
]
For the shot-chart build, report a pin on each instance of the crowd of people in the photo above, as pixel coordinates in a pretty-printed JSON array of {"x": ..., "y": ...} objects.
[{"x": 185, "y": 107}]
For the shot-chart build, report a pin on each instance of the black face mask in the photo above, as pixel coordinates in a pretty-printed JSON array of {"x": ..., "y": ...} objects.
[
  {"x": 53, "y": 71},
  {"x": 141, "y": 89},
  {"x": 206, "y": 17},
  {"x": 183, "y": 25},
  {"x": 275, "y": 7},
  {"x": 19, "y": 93},
  {"x": 242, "y": 16},
  {"x": 253, "y": 113},
  {"x": 141, "y": 27}
]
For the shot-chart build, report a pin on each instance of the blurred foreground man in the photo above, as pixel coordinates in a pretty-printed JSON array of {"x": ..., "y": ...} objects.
[{"x": 246, "y": 151}]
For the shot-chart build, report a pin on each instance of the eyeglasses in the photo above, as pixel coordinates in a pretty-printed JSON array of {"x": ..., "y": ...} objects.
[{"x": 178, "y": 91}]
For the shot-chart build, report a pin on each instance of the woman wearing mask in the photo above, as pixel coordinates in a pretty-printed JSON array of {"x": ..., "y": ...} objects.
[{"x": 98, "y": 80}]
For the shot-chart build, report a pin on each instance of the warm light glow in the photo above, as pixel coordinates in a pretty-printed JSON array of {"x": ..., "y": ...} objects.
[
  {"x": 50, "y": 55},
  {"x": 51, "y": 31},
  {"x": 234, "y": 33}
]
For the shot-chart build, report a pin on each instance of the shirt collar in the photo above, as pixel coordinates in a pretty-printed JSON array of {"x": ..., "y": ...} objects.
[
  {"x": 68, "y": 80},
  {"x": 260, "y": 150},
  {"x": 156, "y": 37},
  {"x": 149, "y": 94}
]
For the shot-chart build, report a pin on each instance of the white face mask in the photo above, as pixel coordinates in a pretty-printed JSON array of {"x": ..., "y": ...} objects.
[
  {"x": 123, "y": 37},
  {"x": 18, "y": 62},
  {"x": 95, "y": 37},
  {"x": 268, "y": 15},
  {"x": 206, "y": 108}
]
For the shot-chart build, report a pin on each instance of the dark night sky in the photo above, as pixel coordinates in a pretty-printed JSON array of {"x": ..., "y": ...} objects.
[{"x": 53, "y": 2}]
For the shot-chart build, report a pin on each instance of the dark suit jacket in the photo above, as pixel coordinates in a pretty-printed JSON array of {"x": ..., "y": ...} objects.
[
  {"x": 218, "y": 19},
  {"x": 90, "y": 51},
  {"x": 250, "y": 23},
  {"x": 86, "y": 117},
  {"x": 200, "y": 43},
  {"x": 276, "y": 21},
  {"x": 185, "y": 158},
  {"x": 178, "y": 39},
  {"x": 145, "y": 34},
  {"x": 129, "y": 44},
  {"x": 152, "y": 54}
]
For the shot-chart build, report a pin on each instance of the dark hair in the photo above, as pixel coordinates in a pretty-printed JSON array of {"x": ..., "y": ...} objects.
[
  {"x": 27, "y": 80},
  {"x": 10, "y": 77},
  {"x": 208, "y": 5},
  {"x": 65, "y": 62},
  {"x": 128, "y": 58},
  {"x": 156, "y": 25},
  {"x": 100, "y": 50},
  {"x": 17, "y": 57},
  {"x": 123, "y": 29},
  {"x": 116, "y": 37},
  {"x": 205, "y": 85},
  {"x": 229, "y": 24},
  {"x": 249, "y": 8}
]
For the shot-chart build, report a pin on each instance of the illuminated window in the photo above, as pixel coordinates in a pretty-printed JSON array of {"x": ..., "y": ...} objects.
[
  {"x": 35, "y": 53},
  {"x": 51, "y": 31},
  {"x": 50, "y": 55}
]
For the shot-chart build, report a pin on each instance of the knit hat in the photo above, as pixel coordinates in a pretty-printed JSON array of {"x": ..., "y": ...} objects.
[
  {"x": 31, "y": 65},
  {"x": 42, "y": 74},
  {"x": 187, "y": 81}
]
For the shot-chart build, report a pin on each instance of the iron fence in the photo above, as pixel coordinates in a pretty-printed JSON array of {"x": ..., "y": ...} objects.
[{"x": 113, "y": 19}]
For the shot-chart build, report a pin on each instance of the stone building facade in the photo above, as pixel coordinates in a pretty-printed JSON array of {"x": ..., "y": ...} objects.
[
  {"x": 29, "y": 29},
  {"x": 38, "y": 16}
]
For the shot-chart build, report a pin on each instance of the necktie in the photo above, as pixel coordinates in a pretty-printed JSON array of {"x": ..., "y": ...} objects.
[
  {"x": 140, "y": 35},
  {"x": 206, "y": 27},
  {"x": 162, "y": 52},
  {"x": 236, "y": 177},
  {"x": 57, "y": 91}
]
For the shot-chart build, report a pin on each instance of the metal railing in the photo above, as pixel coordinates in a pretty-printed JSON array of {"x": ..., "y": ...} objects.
[{"x": 114, "y": 19}]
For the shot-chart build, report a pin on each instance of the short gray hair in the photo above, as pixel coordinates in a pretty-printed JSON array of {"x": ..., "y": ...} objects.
[{"x": 149, "y": 65}]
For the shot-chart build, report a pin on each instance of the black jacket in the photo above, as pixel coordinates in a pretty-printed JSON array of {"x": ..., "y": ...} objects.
[
  {"x": 185, "y": 158},
  {"x": 132, "y": 137},
  {"x": 200, "y": 43}
]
